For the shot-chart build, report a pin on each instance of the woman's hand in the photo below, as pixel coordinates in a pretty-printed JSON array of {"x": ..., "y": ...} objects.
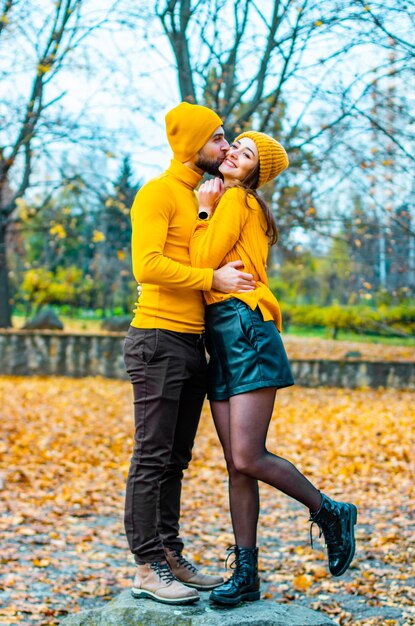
[{"x": 209, "y": 193}]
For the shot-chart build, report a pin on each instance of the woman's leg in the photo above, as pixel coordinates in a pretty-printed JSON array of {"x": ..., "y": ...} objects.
[
  {"x": 250, "y": 415},
  {"x": 243, "y": 489}
]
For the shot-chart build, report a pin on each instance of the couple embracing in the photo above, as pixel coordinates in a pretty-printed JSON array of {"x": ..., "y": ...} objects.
[{"x": 201, "y": 262}]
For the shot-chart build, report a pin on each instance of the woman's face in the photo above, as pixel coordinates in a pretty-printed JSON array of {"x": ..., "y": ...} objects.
[{"x": 240, "y": 160}]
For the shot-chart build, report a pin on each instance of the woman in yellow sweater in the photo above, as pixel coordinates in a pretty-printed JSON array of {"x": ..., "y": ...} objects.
[{"x": 248, "y": 362}]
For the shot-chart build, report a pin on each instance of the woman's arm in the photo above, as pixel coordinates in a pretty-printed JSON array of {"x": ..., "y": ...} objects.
[{"x": 212, "y": 239}]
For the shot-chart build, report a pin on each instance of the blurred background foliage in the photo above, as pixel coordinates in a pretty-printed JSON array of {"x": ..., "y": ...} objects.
[{"x": 86, "y": 86}]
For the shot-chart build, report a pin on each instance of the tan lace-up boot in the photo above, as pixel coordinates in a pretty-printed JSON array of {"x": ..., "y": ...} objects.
[
  {"x": 188, "y": 574},
  {"x": 156, "y": 581}
]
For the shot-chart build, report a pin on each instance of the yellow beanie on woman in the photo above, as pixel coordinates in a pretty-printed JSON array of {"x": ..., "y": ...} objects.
[
  {"x": 273, "y": 158},
  {"x": 189, "y": 127}
]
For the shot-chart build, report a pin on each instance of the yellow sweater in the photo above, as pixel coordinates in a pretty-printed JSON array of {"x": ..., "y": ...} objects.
[
  {"x": 163, "y": 217},
  {"x": 237, "y": 232}
]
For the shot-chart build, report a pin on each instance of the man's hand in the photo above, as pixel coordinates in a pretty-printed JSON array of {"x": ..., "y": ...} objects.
[
  {"x": 209, "y": 193},
  {"x": 231, "y": 280}
]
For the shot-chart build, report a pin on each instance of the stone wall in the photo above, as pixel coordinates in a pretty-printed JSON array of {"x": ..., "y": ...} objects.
[{"x": 45, "y": 353}]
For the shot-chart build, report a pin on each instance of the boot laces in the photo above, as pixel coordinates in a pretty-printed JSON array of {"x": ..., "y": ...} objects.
[
  {"x": 163, "y": 571},
  {"x": 181, "y": 561},
  {"x": 238, "y": 573},
  {"x": 329, "y": 532},
  {"x": 311, "y": 533},
  {"x": 232, "y": 552}
]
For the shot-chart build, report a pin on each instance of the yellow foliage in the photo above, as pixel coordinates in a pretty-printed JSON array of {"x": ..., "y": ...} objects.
[
  {"x": 98, "y": 236},
  {"x": 58, "y": 230},
  {"x": 23, "y": 210},
  {"x": 36, "y": 280},
  {"x": 43, "y": 68}
]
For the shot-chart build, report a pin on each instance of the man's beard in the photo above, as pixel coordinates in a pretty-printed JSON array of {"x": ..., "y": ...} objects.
[{"x": 208, "y": 165}]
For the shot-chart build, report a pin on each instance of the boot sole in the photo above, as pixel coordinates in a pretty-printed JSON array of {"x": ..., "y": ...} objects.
[
  {"x": 250, "y": 596},
  {"x": 352, "y": 522},
  {"x": 152, "y": 596}
]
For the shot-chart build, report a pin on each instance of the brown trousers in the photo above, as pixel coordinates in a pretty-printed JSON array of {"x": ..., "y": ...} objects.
[{"x": 168, "y": 373}]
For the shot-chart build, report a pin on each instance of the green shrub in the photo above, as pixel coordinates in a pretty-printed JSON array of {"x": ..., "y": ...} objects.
[{"x": 385, "y": 321}]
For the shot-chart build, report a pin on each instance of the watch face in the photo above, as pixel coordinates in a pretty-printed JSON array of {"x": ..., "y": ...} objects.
[{"x": 203, "y": 215}]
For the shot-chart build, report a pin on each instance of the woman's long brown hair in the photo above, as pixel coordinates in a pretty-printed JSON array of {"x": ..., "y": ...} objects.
[{"x": 249, "y": 184}]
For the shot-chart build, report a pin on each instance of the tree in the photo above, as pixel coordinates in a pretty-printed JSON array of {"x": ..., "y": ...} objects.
[
  {"x": 112, "y": 254},
  {"x": 304, "y": 72},
  {"x": 65, "y": 286},
  {"x": 76, "y": 227},
  {"x": 47, "y": 39}
]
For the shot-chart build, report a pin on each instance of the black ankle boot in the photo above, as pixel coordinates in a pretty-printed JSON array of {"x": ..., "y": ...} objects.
[
  {"x": 244, "y": 582},
  {"x": 336, "y": 521}
]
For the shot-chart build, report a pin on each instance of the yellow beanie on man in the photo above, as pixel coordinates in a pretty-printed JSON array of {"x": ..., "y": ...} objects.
[
  {"x": 189, "y": 127},
  {"x": 272, "y": 156}
]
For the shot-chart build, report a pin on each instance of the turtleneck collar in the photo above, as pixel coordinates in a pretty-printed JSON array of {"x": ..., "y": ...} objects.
[{"x": 189, "y": 177}]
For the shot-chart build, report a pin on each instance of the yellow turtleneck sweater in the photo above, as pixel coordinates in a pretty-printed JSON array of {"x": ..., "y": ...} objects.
[
  {"x": 163, "y": 217},
  {"x": 234, "y": 232}
]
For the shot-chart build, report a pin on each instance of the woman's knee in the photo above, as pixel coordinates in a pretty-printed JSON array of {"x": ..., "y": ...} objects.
[
  {"x": 244, "y": 462},
  {"x": 234, "y": 472},
  {"x": 230, "y": 465}
]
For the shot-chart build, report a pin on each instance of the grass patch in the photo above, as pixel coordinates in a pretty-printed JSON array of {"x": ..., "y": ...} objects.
[{"x": 343, "y": 335}]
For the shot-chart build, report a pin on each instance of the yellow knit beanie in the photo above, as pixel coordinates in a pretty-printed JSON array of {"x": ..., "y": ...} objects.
[
  {"x": 189, "y": 127},
  {"x": 272, "y": 157}
]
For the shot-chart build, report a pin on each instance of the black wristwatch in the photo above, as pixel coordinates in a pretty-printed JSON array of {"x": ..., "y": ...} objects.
[{"x": 203, "y": 215}]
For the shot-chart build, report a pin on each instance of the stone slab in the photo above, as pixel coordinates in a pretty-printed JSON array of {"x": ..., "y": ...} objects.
[{"x": 124, "y": 610}]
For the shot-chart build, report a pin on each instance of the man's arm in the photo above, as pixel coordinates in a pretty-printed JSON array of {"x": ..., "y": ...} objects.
[
  {"x": 231, "y": 280},
  {"x": 150, "y": 216},
  {"x": 227, "y": 279}
]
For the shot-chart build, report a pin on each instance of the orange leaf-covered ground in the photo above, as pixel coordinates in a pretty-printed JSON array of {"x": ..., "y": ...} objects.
[{"x": 64, "y": 452}]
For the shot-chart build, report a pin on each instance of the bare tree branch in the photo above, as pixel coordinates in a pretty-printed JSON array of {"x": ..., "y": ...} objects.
[
  {"x": 175, "y": 24},
  {"x": 7, "y": 7}
]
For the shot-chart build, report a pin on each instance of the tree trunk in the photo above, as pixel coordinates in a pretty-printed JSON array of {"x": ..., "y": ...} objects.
[{"x": 5, "y": 307}]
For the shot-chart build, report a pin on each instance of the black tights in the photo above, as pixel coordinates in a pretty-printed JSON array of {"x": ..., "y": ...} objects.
[{"x": 242, "y": 425}]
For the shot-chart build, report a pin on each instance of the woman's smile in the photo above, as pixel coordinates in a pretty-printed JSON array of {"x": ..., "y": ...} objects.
[
  {"x": 229, "y": 163},
  {"x": 240, "y": 160}
]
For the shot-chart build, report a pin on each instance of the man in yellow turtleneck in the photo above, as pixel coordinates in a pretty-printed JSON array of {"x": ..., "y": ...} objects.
[{"x": 165, "y": 357}]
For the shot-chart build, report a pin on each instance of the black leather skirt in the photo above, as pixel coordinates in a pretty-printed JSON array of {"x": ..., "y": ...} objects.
[{"x": 245, "y": 352}]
